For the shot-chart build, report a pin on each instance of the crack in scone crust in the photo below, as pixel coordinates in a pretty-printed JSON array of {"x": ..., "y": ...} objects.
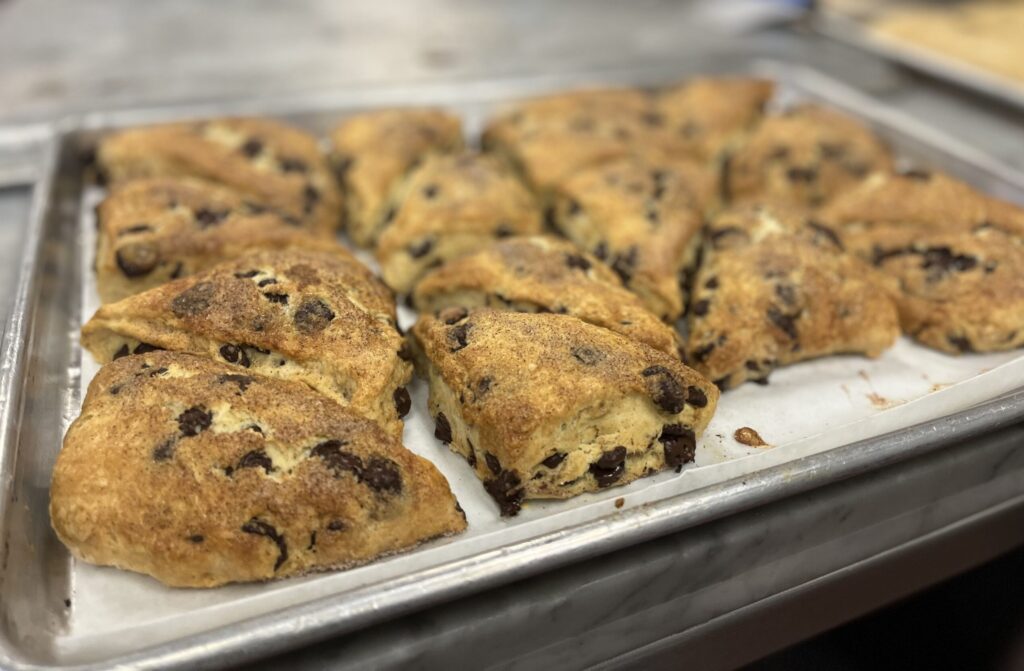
[
  {"x": 219, "y": 476},
  {"x": 548, "y": 406}
]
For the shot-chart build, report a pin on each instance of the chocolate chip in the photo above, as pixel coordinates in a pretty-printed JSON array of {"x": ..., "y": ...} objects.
[
  {"x": 624, "y": 264},
  {"x": 193, "y": 301},
  {"x": 267, "y": 281},
  {"x": 421, "y": 248},
  {"x": 822, "y": 231},
  {"x": 146, "y": 348},
  {"x": 786, "y": 293},
  {"x": 942, "y": 260},
  {"x": 666, "y": 391},
  {"x": 503, "y": 231},
  {"x": 717, "y": 234},
  {"x": 588, "y": 356},
  {"x": 310, "y": 197},
  {"x": 164, "y": 450},
  {"x": 274, "y": 297},
  {"x": 248, "y": 274},
  {"x": 381, "y": 475},
  {"x": 194, "y": 420},
  {"x": 137, "y": 259},
  {"x": 492, "y": 463},
  {"x": 137, "y": 228},
  {"x": 292, "y": 165},
  {"x": 711, "y": 283},
  {"x": 256, "y": 459},
  {"x": 157, "y": 372},
  {"x": 483, "y": 386},
  {"x": 252, "y": 148},
  {"x": 313, "y": 316},
  {"x": 403, "y": 402},
  {"x": 701, "y": 354},
  {"x": 554, "y": 460},
  {"x": 506, "y": 491},
  {"x": 458, "y": 336},
  {"x": 196, "y": 538},
  {"x": 256, "y": 428},
  {"x": 784, "y": 322},
  {"x": 700, "y": 308},
  {"x": 235, "y": 354},
  {"x": 601, "y": 251},
  {"x": 430, "y": 191},
  {"x": 798, "y": 174},
  {"x": 260, "y": 528},
  {"x": 680, "y": 445},
  {"x": 334, "y": 525},
  {"x": 577, "y": 261},
  {"x": 696, "y": 397},
  {"x": 610, "y": 467},
  {"x": 336, "y": 459},
  {"x": 961, "y": 343},
  {"x": 312, "y": 541},
  {"x": 206, "y": 217},
  {"x": 442, "y": 429}
]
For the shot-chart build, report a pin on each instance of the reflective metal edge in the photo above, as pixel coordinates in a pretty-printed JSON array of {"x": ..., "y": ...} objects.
[{"x": 312, "y": 621}]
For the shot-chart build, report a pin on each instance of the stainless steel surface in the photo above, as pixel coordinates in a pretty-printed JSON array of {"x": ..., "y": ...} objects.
[
  {"x": 923, "y": 59},
  {"x": 40, "y": 369}
]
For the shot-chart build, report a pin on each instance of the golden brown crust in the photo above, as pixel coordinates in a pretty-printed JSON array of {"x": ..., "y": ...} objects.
[
  {"x": 774, "y": 291},
  {"x": 548, "y": 406},
  {"x": 712, "y": 114},
  {"x": 803, "y": 157},
  {"x": 374, "y": 151},
  {"x": 543, "y": 274},
  {"x": 155, "y": 230},
  {"x": 198, "y": 475},
  {"x": 267, "y": 161},
  {"x": 300, "y": 315},
  {"x": 644, "y": 220},
  {"x": 449, "y": 206}
]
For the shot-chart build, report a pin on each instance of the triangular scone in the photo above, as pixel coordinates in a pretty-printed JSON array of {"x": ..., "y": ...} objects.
[
  {"x": 645, "y": 221},
  {"x": 543, "y": 274},
  {"x": 374, "y": 151},
  {"x": 777, "y": 294},
  {"x": 449, "y": 206},
  {"x": 199, "y": 474},
  {"x": 711, "y": 114},
  {"x": 159, "y": 229},
  {"x": 300, "y": 315},
  {"x": 548, "y": 406},
  {"x": 803, "y": 157},
  {"x": 269, "y": 162},
  {"x": 956, "y": 292}
]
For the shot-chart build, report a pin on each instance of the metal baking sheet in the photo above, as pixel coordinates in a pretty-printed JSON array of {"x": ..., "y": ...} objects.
[
  {"x": 929, "y": 61},
  {"x": 827, "y": 419}
]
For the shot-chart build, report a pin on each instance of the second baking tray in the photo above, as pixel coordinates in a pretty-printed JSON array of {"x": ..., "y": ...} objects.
[{"x": 828, "y": 419}]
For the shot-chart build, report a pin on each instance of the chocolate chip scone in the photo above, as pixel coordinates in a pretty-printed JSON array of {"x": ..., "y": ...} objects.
[
  {"x": 780, "y": 293},
  {"x": 803, "y": 157},
  {"x": 265, "y": 160},
  {"x": 301, "y": 315},
  {"x": 449, "y": 206},
  {"x": 548, "y": 406},
  {"x": 644, "y": 221},
  {"x": 155, "y": 230},
  {"x": 543, "y": 274},
  {"x": 957, "y": 291},
  {"x": 712, "y": 114},
  {"x": 199, "y": 475},
  {"x": 374, "y": 151}
]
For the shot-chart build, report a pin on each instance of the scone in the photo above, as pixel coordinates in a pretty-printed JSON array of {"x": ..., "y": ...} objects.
[
  {"x": 956, "y": 292},
  {"x": 803, "y": 157},
  {"x": 300, "y": 315},
  {"x": 644, "y": 221},
  {"x": 155, "y": 230},
  {"x": 548, "y": 406},
  {"x": 549, "y": 139},
  {"x": 449, "y": 206},
  {"x": 543, "y": 274},
  {"x": 197, "y": 474},
  {"x": 267, "y": 161},
  {"x": 771, "y": 293},
  {"x": 374, "y": 151},
  {"x": 712, "y": 114}
]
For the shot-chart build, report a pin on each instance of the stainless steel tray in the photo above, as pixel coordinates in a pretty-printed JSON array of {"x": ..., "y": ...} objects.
[
  {"x": 43, "y": 371},
  {"x": 928, "y": 61}
]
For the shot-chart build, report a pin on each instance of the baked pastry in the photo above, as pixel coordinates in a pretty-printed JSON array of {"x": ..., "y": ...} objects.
[
  {"x": 548, "y": 406},
  {"x": 449, "y": 206},
  {"x": 374, "y": 151},
  {"x": 155, "y": 230},
  {"x": 644, "y": 221},
  {"x": 802, "y": 157},
  {"x": 192, "y": 472},
  {"x": 266, "y": 161},
  {"x": 301, "y": 315},
  {"x": 772, "y": 292},
  {"x": 543, "y": 274},
  {"x": 712, "y": 114}
]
